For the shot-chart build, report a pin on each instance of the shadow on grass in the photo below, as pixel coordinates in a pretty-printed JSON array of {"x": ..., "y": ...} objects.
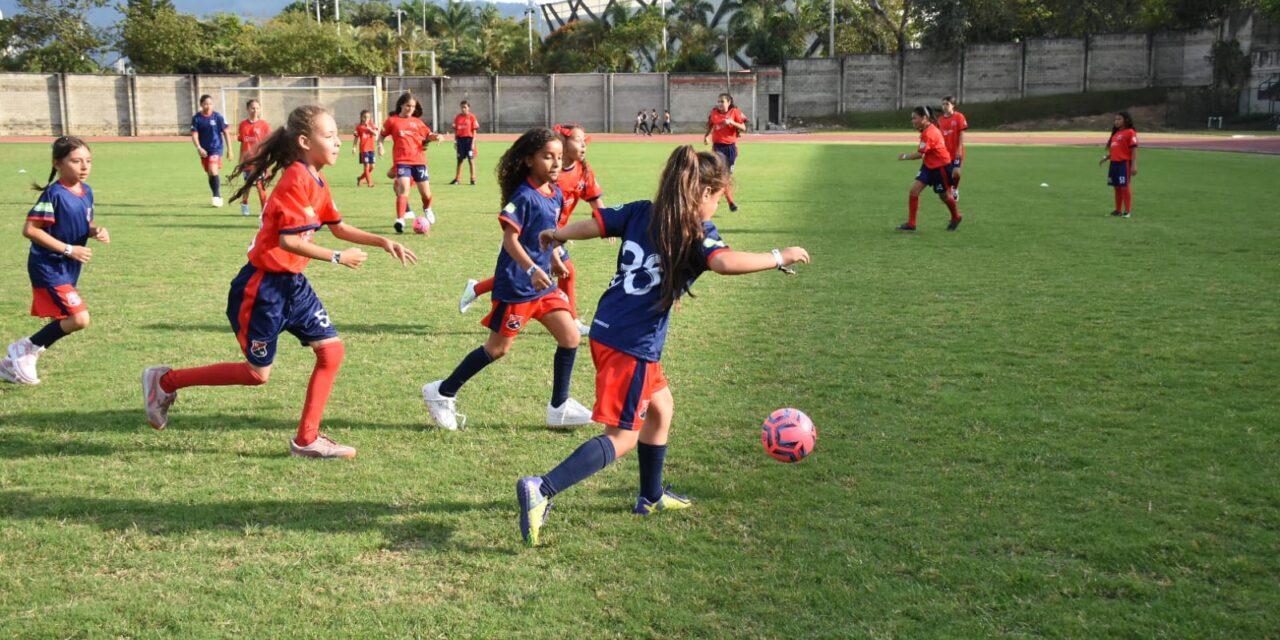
[
  {"x": 375, "y": 328},
  {"x": 187, "y": 423}
]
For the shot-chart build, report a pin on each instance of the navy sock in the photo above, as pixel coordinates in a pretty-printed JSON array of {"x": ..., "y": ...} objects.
[
  {"x": 594, "y": 455},
  {"x": 563, "y": 374},
  {"x": 470, "y": 366},
  {"x": 215, "y": 185},
  {"x": 652, "y": 457},
  {"x": 50, "y": 334}
]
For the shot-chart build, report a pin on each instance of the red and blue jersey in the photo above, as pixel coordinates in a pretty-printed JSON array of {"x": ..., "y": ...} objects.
[
  {"x": 577, "y": 183},
  {"x": 300, "y": 203},
  {"x": 366, "y": 134},
  {"x": 1121, "y": 145},
  {"x": 209, "y": 130},
  {"x": 951, "y": 126},
  {"x": 407, "y": 135},
  {"x": 933, "y": 147},
  {"x": 628, "y": 318},
  {"x": 66, "y": 215},
  {"x": 529, "y": 213}
]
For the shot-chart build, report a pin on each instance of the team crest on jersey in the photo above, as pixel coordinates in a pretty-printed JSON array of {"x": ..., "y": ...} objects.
[
  {"x": 311, "y": 213},
  {"x": 258, "y": 348},
  {"x": 514, "y": 322},
  {"x": 73, "y": 299}
]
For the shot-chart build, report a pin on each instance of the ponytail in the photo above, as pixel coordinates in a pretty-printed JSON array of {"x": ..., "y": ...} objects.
[
  {"x": 924, "y": 111},
  {"x": 675, "y": 227},
  {"x": 62, "y": 147},
  {"x": 278, "y": 151}
]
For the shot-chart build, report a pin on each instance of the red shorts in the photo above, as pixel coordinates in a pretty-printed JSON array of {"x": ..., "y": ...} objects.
[
  {"x": 57, "y": 302},
  {"x": 508, "y": 318},
  {"x": 624, "y": 385},
  {"x": 214, "y": 161}
]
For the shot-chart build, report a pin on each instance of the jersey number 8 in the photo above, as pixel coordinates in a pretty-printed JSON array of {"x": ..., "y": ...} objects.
[{"x": 636, "y": 265}]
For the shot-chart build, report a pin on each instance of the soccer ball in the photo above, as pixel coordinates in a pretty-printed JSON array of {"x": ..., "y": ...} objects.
[
  {"x": 420, "y": 225},
  {"x": 788, "y": 435}
]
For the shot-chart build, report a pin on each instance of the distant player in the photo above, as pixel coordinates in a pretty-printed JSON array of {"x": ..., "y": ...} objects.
[
  {"x": 953, "y": 125},
  {"x": 362, "y": 147},
  {"x": 578, "y": 183},
  {"x": 666, "y": 245},
  {"x": 409, "y": 137},
  {"x": 666, "y": 122},
  {"x": 523, "y": 290},
  {"x": 209, "y": 134},
  {"x": 935, "y": 170},
  {"x": 465, "y": 128},
  {"x": 252, "y": 130},
  {"x": 1122, "y": 151},
  {"x": 270, "y": 295},
  {"x": 724, "y": 124},
  {"x": 58, "y": 226}
]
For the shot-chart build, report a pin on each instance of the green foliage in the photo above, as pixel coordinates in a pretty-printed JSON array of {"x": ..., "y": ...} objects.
[
  {"x": 158, "y": 39},
  {"x": 51, "y": 36},
  {"x": 1231, "y": 65},
  {"x": 290, "y": 44}
]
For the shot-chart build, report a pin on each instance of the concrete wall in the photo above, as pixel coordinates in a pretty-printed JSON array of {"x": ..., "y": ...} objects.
[
  {"x": 635, "y": 91},
  {"x": 1182, "y": 59},
  {"x": 929, "y": 76},
  {"x": 813, "y": 87},
  {"x": 1119, "y": 61},
  {"x": 1054, "y": 66},
  {"x": 30, "y": 104},
  {"x": 870, "y": 82},
  {"x": 163, "y": 105},
  {"x": 524, "y": 102},
  {"x": 694, "y": 95},
  {"x": 583, "y": 99},
  {"x": 992, "y": 72},
  {"x": 476, "y": 90}
]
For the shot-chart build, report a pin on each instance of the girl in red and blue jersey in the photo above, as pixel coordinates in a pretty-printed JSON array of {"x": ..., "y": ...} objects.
[
  {"x": 935, "y": 170},
  {"x": 724, "y": 124},
  {"x": 58, "y": 226},
  {"x": 666, "y": 245},
  {"x": 409, "y": 137},
  {"x": 362, "y": 147},
  {"x": 522, "y": 287},
  {"x": 953, "y": 124},
  {"x": 270, "y": 295},
  {"x": 209, "y": 134},
  {"x": 1122, "y": 151},
  {"x": 251, "y": 132}
]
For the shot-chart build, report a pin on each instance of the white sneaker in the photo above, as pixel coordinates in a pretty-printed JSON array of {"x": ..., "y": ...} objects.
[
  {"x": 443, "y": 411},
  {"x": 584, "y": 330},
  {"x": 217, "y": 202},
  {"x": 408, "y": 214},
  {"x": 323, "y": 447},
  {"x": 155, "y": 399},
  {"x": 7, "y": 373},
  {"x": 431, "y": 216},
  {"x": 24, "y": 354},
  {"x": 244, "y": 210},
  {"x": 569, "y": 414},
  {"x": 469, "y": 295}
]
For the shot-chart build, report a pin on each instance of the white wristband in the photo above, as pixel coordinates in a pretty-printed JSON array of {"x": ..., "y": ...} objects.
[
  {"x": 777, "y": 257},
  {"x": 337, "y": 257},
  {"x": 66, "y": 251},
  {"x": 531, "y": 269}
]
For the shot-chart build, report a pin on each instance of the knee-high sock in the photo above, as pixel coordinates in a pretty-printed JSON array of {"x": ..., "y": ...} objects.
[
  {"x": 1128, "y": 199},
  {"x": 951, "y": 206},
  {"x": 652, "y": 457},
  {"x": 592, "y": 456},
  {"x": 48, "y": 335},
  {"x": 215, "y": 185},
  {"x": 214, "y": 375},
  {"x": 402, "y": 205},
  {"x": 262, "y": 195},
  {"x": 563, "y": 374},
  {"x": 328, "y": 360},
  {"x": 568, "y": 285},
  {"x": 484, "y": 286},
  {"x": 913, "y": 207},
  {"x": 728, "y": 194},
  {"x": 1119, "y": 199},
  {"x": 467, "y": 369}
]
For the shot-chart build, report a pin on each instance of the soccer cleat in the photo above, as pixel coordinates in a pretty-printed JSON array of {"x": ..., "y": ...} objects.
[
  {"x": 1127, "y": 214},
  {"x": 7, "y": 373},
  {"x": 1116, "y": 214},
  {"x": 217, "y": 202},
  {"x": 400, "y": 225},
  {"x": 533, "y": 508},
  {"x": 408, "y": 214},
  {"x": 668, "y": 502},
  {"x": 323, "y": 447},
  {"x": 443, "y": 409},
  {"x": 906, "y": 226},
  {"x": 584, "y": 330},
  {"x": 156, "y": 400},
  {"x": 23, "y": 354},
  {"x": 733, "y": 207},
  {"x": 569, "y": 414},
  {"x": 473, "y": 182},
  {"x": 469, "y": 295},
  {"x": 455, "y": 181},
  {"x": 955, "y": 194},
  {"x": 244, "y": 210},
  {"x": 954, "y": 224},
  {"x": 431, "y": 216}
]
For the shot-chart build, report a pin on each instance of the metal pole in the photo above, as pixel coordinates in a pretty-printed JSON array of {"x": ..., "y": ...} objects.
[
  {"x": 400, "y": 64},
  {"x": 664, "y": 25},
  {"x": 424, "y": 22},
  {"x": 317, "y": 11},
  {"x": 530, "y": 21},
  {"x": 337, "y": 12},
  {"x": 831, "y": 42},
  {"x": 399, "y": 27},
  {"x": 727, "y": 88}
]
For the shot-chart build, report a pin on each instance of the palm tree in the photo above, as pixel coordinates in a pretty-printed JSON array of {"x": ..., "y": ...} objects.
[{"x": 770, "y": 32}]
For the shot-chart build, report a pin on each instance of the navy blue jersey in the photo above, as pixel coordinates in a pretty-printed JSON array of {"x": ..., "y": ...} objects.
[
  {"x": 67, "y": 217},
  {"x": 529, "y": 213},
  {"x": 210, "y": 130},
  {"x": 628, "y": 318}
]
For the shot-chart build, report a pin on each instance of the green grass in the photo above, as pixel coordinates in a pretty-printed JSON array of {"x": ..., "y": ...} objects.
[{"x": 1050, "y": 423}]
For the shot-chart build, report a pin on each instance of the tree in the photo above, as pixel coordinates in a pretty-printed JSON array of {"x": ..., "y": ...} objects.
[
  {"x": 289, "y": 44},
  {"x": 771, "y": 33},
  {"x": 158, "y": 39},
  {"x": 52, "y": 36}
]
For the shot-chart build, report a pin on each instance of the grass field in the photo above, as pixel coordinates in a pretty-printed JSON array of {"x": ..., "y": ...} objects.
[{"x": 1050, "y": 423}]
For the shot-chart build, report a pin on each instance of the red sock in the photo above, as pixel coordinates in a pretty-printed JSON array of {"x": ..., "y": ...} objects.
[
  {"x": 913, "y": 206},
  {"x": 402, "y": 205},
  {"x": 728, "y": 194},
  {"x": 214, "y": 375},
  {"x": 262, "y": 195},
  {"x": 328, "y": 360},
  {"x": 951, "y": 205},
  {"x": 1128, "y": 199},
  {"x": 368, "y": 174},
  {"x": 1119, "y": 199},
  {"x": 566, "y": 285},
  {"x": 484, "y": 286}
]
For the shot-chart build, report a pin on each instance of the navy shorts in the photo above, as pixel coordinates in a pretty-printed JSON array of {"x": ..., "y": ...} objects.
[
  {"x": 1118, "y": 175},
  {"x": 727, "y": 151},
  {"x": 263, "y": 304},
  {"x": 955, "y": 164},
  {"x": 366, "y": 157},
  {"x": 940, "y": 178},
  {"x": 463, "y": 147},
  {"x": 416, "y": 171}
]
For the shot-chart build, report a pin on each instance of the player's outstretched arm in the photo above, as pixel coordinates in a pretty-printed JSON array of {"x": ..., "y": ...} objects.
[
  {"x": 580, "y": 230},
  {"x": 734, "y": 263},
  {"x": 350, "y": 258},
  {"x": 910, "y": 156},
  {"x": 360, "y": 236}
]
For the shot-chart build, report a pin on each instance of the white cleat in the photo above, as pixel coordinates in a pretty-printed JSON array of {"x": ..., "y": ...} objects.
[
  {"x": 408, "y": 214},
  {"x": 469, "y": 295},
  {"x": 323, "y": 447},
  {"x": 569, "y": 414},
  {"x": 244, "y": 210},
  {"x": 23, "y": 355},
  {"x": 584, "y": 330},
  {"x": 217, "y": 202},
  {"x": 442, "y": 409},
  {"x": 156, "y": 399},
  {"x": 431, "y": 216},
  {"x": 7, "y": 373}
]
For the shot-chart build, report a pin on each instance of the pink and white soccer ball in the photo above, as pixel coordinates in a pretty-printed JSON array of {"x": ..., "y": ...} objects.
[
  {"x": 420, "y": 225},
  {"x": 788, "y": 435}
]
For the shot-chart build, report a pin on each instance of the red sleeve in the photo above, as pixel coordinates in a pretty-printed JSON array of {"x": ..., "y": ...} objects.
[
  {"x": 593, "y": 190},
  {"x": 964, "y": 124},
  {"x": 388, "y": 128},
  {"x": 293, "y": 202}
]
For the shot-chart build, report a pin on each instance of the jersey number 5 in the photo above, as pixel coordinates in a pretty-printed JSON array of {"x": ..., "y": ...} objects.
[{"x": 637, "y": 266}]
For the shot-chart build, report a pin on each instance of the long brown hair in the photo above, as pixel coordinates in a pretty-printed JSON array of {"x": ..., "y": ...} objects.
[
  {"x": 62, "y": 147},
  {"x": 279, "y": 150},
  {"x": 512, "y": 169},
  {"x": 675, "y": 226}
]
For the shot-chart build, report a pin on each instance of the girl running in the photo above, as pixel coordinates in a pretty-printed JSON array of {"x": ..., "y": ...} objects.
[
  {"x": 666, "y": 245},
  {"x": 723, "y": 126},
  {"x": 409, "y": 136},
  {"x": 58, "y": 226},
  {"x": 362, "y": 147},
  {"x": 252, "y": 130},
  {"x": 522, "y": 290},
  {"x": 209, "y": 133},
  {"x": 270, "y": 295},
  {"x": 953, "y": 125},
  {"x": 1122, "y": 151},
  {"x": 935, "y": 171},
  {"x": 577, "y": 183},
  {"x": 465, "y": 128}
]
